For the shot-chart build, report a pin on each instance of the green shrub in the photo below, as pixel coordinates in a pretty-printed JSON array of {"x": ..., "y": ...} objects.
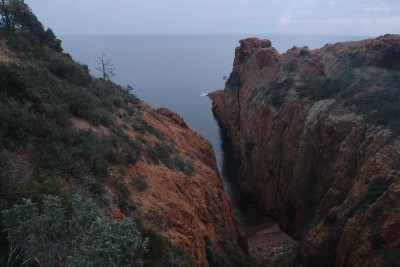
[
  {"x": 149, "y": 128},
  {"x": 160, "y": 135},
  {"x": 123, "y": 191},
  {"x": 78, "y": 154},
  {"x": 26, "y": 48},
  {"x": 380, "y": 107},
  {"x": 329, "y": 88},
  {"x": 183, "y": 165},
  {"x": 234, "y": 81},
  {"x": 320, "y": 88},
  {"x": 138, "y": 127},
  {"x": 50, "y": 238},
  {"x": 164, "y": 151},
  {"x": 156, "y": 116},
  {"x": 66, "y": 69},
  {"x": 304, "y": 52},
  {"x": 221, "y": 259},
  {"x": 276, "y": 91},
  {"x": 15, "y": 122},
  {"x": 331, "y": 219},
  {"x": 14, "y": 79},
  {"x": 97, "y": 188},
  {"x": 82, "y": 103},
  {"x": 139, "y": 183},
  {"x": 142, "y": 140},
  {"x": 387, "y": 115},
  {"x": 132, "y": 157},
  {"x": 375, "y": 189},
  {"x": 355, "y": 47},
  {"x": 278, "y": 99},
  {"x": 152, "y": 154},
  {"x": 377, "y": 242},
  {"x": 31, "y": 82},
  {"x": 161, "y": 252}
]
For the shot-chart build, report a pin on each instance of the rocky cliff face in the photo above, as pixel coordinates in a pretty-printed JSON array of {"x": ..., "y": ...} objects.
[
  {"x": 188, "y": 207},
  {"x": 317, "y": 135},
  {"x": 181, "y": 196}
]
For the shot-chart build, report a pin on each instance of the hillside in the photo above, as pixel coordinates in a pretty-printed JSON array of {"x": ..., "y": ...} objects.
[
  {"x": 63, "y": 131},
  {"x": 316, "y": 133}
]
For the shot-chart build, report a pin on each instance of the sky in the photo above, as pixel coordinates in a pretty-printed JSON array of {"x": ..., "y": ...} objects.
[{"x": 329, "y": 17}]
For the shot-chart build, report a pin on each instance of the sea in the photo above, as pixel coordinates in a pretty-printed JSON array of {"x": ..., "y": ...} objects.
[{"x": 177, "y": 71}]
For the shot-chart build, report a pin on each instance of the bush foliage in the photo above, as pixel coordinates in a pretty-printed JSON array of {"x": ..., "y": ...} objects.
[{"x": 85, "y": 238}]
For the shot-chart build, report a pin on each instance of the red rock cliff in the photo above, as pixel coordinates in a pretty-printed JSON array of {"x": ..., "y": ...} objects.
[
  {"x": 180, "y": 196},
  {"x": 317, "y": 134},
  {"x": 183, "y": 198}
]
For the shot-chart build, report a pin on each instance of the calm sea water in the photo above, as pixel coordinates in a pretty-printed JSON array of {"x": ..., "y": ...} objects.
[{"x": 176, "y": 71}]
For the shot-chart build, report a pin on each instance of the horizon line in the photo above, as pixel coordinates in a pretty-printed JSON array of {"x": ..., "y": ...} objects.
[{"x": 214, "y": 34}]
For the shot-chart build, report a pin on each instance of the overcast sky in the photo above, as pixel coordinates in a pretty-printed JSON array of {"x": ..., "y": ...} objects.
[{"x": 339, "y": 17}]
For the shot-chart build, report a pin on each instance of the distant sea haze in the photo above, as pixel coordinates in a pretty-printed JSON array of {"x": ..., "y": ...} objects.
[{"x": 177, "y": 71}]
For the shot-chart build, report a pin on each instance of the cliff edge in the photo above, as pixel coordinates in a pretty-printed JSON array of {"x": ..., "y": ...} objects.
[{"x": 317, "y": 135}]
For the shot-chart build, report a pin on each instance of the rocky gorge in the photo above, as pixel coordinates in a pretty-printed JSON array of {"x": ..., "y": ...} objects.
[
  {"x": 316, "y": 133},
  {"x": 83, "y": 161}
]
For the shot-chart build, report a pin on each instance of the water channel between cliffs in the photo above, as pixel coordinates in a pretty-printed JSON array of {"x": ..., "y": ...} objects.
[
  {"x": 267, "y": 242},
  {"x": 176, "y": 72}
]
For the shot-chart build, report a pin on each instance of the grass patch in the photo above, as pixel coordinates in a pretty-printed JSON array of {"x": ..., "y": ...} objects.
[
  {"x": 320, "y": 88},
  {"x": 355, "y": 47}
]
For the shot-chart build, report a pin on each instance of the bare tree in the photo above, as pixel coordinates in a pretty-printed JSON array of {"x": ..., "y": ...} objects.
[{"x": 106, "y": 67}]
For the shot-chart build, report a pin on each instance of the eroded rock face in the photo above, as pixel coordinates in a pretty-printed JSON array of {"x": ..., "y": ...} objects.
[
  {"x": 317, "y": 134},
  {"x": 184, "y": 204},
  {"x": 187, "y": 208}
]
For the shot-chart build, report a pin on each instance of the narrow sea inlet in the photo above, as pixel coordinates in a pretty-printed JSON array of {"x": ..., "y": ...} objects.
[
  {"x": 177, "y": 72},
  {"x": 173, "y": 133}
]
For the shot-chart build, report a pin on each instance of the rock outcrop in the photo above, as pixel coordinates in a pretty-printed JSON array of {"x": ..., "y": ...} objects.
[
  {"x": 181, "y": 197},
  {"x": 317, "y": 135}
]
